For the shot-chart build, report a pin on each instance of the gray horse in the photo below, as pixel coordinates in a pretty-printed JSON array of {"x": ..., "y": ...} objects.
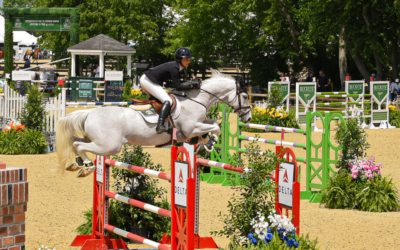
[{"x": 103, "y": 131}]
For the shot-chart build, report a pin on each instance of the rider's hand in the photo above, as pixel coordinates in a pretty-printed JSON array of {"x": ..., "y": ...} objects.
[{"x": 195, "y": 85}]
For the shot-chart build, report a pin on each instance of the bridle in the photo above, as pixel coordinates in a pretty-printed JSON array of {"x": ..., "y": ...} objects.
[{"x": 240, "y": 88}]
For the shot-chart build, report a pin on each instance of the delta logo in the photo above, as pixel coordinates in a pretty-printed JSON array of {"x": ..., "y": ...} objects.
[
  {"x": 285, "y": 177},
  {"x": 180, "y": 179}
]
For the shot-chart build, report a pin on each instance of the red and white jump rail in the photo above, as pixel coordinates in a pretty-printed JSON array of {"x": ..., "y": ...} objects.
[{"x": 139, "y": 170}]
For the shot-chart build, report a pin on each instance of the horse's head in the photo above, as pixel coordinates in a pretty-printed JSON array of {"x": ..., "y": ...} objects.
[{"x": 231, "y": 91}]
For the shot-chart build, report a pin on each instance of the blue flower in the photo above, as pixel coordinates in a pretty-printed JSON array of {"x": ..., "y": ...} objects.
[
  {"x": 269, "y": 237},
  {"x": 290, "y": 243},
  {"x": 279, "y": 232},
  {"x": 296, "y": 245},
  {"x": 284, "y": 230},
  {"x": 250, "y": 236},
  {"x": 269, "y": 230},
  {"x": 285, "y": 238},
  {"x": 254, "y": 241}
]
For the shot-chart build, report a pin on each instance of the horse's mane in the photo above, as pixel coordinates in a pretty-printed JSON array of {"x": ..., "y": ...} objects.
[{"x": 217, "y": 75}]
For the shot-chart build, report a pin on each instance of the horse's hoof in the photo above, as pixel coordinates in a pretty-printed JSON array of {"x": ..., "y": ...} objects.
[
  {"x": 73, "y": 167},
  {"x": 200, "y": 150},
  {"x": 85, "y": 172}
]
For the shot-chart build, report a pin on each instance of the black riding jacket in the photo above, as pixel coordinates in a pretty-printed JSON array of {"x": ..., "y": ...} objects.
[{"x": 165, "y": 72}]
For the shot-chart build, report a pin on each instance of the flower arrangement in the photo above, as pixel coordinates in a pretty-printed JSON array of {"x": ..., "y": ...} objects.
[
  {"x": 392, "y": 107},
  {"x": 365, "y": 169},
  {"x": 136, "y": 92},
  {"x": 272, "y": 116},
  {"x": 17, "y": 126},
  {"x": 1, "y": 90},
  {"x": 279, "y": 225}
]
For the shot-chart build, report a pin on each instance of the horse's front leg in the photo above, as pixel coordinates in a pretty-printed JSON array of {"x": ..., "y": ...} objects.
[{"x": 206, "y": 130}]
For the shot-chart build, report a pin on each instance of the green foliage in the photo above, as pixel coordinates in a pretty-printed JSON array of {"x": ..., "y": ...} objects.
[
  {"x": 275, "y": 244},
  {"x": 127, "y": 91},
  {"x": 86, "y": 227},
  {"x": 354, "y": 141},
  {"x": 214, "y": 113},
  {"x": 394, "y": 117},
  {"x": 274, "y": 97},
  {"x": 34, "y": 113},
  {"x": 253, "y": 193},
  {"x": 142, "y": 188},
  {"x": 28, "y": 141},
  {"x": 340, "y": 192},
  {"x": 379, "y": 195}
]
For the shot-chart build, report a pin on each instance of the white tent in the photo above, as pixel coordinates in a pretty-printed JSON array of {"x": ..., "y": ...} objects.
[{"x": 20, "y": 37}]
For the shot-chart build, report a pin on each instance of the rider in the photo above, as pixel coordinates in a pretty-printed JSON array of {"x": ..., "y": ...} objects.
[{"x": 152, "y": 81}]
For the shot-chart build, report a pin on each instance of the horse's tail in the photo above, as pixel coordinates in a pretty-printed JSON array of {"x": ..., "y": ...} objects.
[{"x": 67, "y": 128}]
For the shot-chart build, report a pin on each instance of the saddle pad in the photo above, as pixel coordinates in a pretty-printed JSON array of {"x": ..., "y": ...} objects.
[{"x": 151, "y": 116}]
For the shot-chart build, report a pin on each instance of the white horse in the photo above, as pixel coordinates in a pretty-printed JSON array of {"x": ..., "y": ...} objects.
[{"x": 103, "y": 131}]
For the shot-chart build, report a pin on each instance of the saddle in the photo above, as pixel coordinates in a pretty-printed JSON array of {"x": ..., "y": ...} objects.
[{"x": 156, "y": 104}]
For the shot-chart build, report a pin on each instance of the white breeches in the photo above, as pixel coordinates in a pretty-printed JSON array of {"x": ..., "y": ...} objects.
[{"x": 154, "y": 89}]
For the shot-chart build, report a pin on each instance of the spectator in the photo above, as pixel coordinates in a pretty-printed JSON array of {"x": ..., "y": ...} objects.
[
  {"x": 292, "y": 82},
  {"x": 17, "y": 83},
  {"x": 372, "y": 78},
  {"x": 392, "y": 90},
  {"x": 27, "y": 63},
  {"x": 323, "y": 83},
  {"x": 20, "y": 54},
  {"x": 97, "y": 71},
  {"x": 310, "y": 76},
  {"x": 348, "y": 77}
]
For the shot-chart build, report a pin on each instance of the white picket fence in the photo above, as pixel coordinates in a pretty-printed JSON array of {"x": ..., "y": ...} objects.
[{"x": 12, "y": 104}]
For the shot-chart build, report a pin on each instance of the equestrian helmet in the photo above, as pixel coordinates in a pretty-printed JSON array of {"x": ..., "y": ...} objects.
[{"x": 182, "y": 52}]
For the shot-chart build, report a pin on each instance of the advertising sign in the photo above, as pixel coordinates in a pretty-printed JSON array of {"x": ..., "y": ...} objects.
[
  {"x": 42, "y": 23},
  {"x": 22, "y": 75},
  {"x": 306, "y": 93},
  {"x": 286, "y": 179},
  {"x": 99, "y": 168},
  {"x": 114, "y": 75},
  {"x": 180, "y": 189}
]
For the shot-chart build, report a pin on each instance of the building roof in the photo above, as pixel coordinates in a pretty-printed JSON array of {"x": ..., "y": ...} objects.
[{"x": 102, "y": 43}]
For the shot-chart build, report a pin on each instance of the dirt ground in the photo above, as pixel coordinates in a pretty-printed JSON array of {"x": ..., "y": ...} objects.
[{"x": 56, "y": 202}]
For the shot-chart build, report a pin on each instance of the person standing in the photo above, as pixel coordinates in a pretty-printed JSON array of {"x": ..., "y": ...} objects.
[
  {"x": 310, "y": 76},
  {"x": 323, "y": 83},
  {"x": 292, "y": 83},
  {"x": 20, "y": 54},
  {"x": 97, "y": 71},
  {"x": 27, "y": 63},
  {"x": 392, "y": 90}
]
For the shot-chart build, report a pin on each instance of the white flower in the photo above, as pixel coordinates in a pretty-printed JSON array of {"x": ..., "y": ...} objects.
[
  {"x": 264, "y": 224},
  {"x": 262, "y": 218},
  {"x": 257, "y": 231},
  {"x": 246, "y": 170}
]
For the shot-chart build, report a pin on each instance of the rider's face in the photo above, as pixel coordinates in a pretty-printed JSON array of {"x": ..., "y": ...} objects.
[{"x": 185, "y": 62}]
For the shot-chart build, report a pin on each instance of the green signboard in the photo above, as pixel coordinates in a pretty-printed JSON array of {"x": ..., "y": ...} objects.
[
  {"x": 307, "y": 92},
  {"x": 380, "y": 91},
  {"x": 284, "y": 88},
  {"x": 85, "y": 85},
  {"x": 42, "y": 23},
  {"x": 355, "y": 88}
]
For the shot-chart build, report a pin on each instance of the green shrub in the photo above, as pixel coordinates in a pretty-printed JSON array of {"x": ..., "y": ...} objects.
[
  {"x": 34, "y": 113},
  {"x": 28, "y": 141},
  {"x": 394, "y": 116},
  {"x": 126, "y": 96},
  {"x": 379, "y": 196},
  {"x": 342, "y": 192},
  {"x": 354, "y": 141}
]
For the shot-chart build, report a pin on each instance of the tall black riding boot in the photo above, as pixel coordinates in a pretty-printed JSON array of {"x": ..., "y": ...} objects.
[{"x": 166, "y": 107}]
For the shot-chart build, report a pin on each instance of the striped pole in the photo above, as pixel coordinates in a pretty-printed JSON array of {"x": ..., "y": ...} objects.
[
  {"x": 98, "y": 103},
  {"x": 299, "y": 159},
  {"x": 139, "y": 170},
  {"x": 340, "y": 103},
  {"x": 135, "y": 237},
  {"x": 350, "y": 95},
  {"x": 267, "y": 141},
  {"x": 139, "y": 204},
  {"x": 74, "y": 88},
  {"x": 220, "y": 165},
  {"x": 275, "y": 128}
]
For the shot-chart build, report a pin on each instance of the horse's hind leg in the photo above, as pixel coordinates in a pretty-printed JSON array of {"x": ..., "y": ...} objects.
[
  {"x": 78, "y": 164},
  {"x": 94, "y": 148}
]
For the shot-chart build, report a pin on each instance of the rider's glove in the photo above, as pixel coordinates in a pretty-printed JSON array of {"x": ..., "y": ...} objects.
[{"x": 196, "y": 85}]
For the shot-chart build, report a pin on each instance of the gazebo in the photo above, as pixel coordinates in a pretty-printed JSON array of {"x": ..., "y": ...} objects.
[{"x": 101, "y": 45}]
